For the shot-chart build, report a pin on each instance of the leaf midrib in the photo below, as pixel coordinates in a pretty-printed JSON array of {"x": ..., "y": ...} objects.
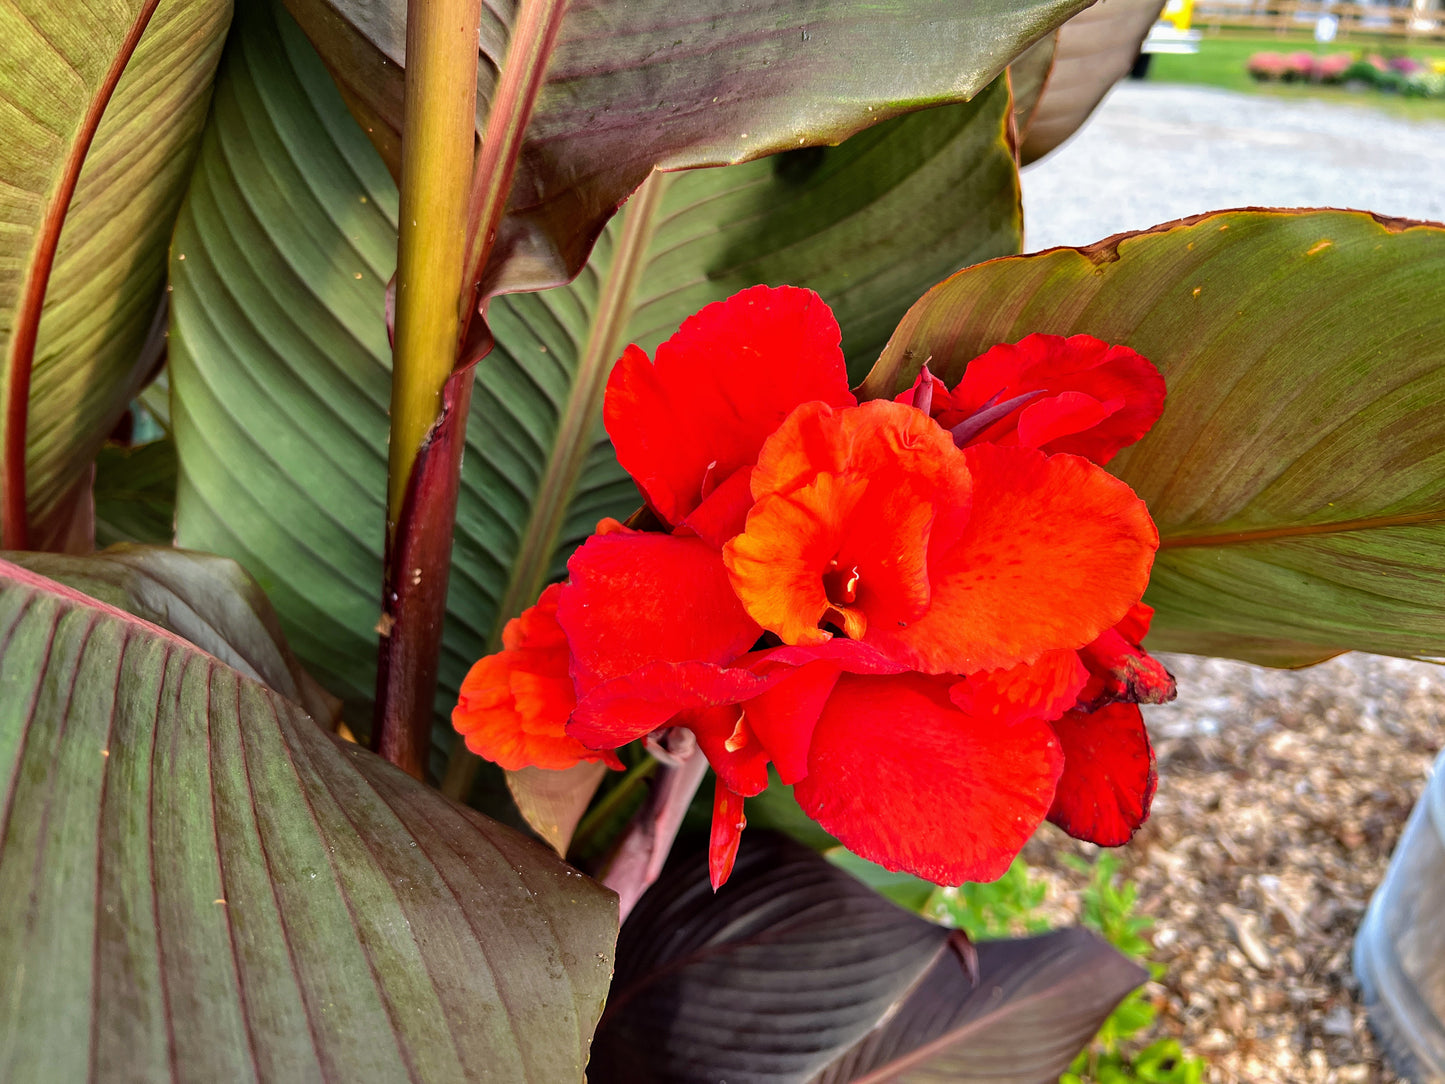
[
  {"x": 1301, "y": 530},
  {"x": 605, "y": 330},
  {"x": 20, "y": 358}
]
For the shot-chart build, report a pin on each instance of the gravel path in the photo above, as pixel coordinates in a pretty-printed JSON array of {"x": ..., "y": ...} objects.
[
  {"x": 1154, "y": 152},
  {"x": 1281, "y": 794}
]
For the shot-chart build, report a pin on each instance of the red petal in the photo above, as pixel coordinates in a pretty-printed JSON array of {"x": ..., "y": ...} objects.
[
  {"x": 731, "y": 747},
  {"x": 783, "y": 715},
  {"x": 728, "y": 823},
  {"x": 782, "y": 690},
  {"x": 624, "y": 709},
  {"x": 902, "y": 777},
  {"x": 1059, "y": 366},
  {"x": 1047, "y": 421},
  {"x": 1134, "y": 625},
  {"x": 719, "y": 386},
  {"x": 1121, "y": 670},
  {"x": 1109, "y": 778},
  {"x": 635, "y": 598},
  {"x": 1042, "y": 689},
  {"x": 723, "y": 512},
  {"x": 513, "y": 705},
  {"x": 1054, "y": 552}
]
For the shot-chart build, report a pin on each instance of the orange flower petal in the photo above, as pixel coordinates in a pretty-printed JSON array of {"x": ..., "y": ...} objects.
[
  {"x": 846, "y": 504},
  {"x": 514, "y": 705},
  {"x": 1055, "y": 551}
]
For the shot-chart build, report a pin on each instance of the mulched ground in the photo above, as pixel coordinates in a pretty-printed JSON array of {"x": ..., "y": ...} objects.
[{"x": 1281, "y": 797}]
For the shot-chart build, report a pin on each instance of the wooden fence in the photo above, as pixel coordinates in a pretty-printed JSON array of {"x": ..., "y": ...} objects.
[{"x": 1355, "y": 20}]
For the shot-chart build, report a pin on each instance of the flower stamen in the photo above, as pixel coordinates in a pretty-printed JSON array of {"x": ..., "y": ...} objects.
[{"x": 840, "y": 584}]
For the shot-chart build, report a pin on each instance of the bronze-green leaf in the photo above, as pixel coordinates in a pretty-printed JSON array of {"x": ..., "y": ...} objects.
[
  {"x": 102, "y": 107},
  {"x": 198, "y": 883},
  {"x": 673, "y": 84},
  {"x": 1298, "y": 473},
  {"x": 1095, "y": 50}
]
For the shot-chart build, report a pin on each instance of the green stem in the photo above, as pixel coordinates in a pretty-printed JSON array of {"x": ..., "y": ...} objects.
[
  {"x": 422, "y": 502},
  {"x": 438, "y": 139}
]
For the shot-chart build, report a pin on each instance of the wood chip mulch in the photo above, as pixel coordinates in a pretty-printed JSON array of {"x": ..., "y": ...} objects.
[{"x": 1281, "y": 797}]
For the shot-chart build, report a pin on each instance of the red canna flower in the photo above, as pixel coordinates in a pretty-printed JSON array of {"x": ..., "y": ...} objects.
[
  {"x": 947, "y": 560},
  {"x": 924, "y": 614},
  {"x": 1077, "y": 395}
]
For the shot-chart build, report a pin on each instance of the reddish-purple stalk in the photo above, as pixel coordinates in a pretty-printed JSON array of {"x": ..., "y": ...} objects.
[
  {"x": 645, "y": 843},
  {"x": 14, "y": 516}
]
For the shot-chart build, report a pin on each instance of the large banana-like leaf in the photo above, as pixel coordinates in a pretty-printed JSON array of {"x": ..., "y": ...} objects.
[
  {"x": 1298, "y": 473},
  {"x": 677, "y": 83},
  {"x": 793, "y": 971},
  {"x": 198, "y": 883},
  {"x": 206, "y": 599},
  {"x": 102, "y": 107},
  {"x": 279, "y": 360}
]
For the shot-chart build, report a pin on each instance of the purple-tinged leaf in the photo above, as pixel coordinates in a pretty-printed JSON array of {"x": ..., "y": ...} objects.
[
  {"x": 1028, "y": 77},
  {"x": 1094, "y": 50},
  {"x": 792, "y": 962},
  {"x": 198, "y": 883},
  {"x": 1037, "y": 1003},
  {"x": 674, "y": 84},
  {"x": 103, "y": 107},
  {"x": 205, "y": 599}
]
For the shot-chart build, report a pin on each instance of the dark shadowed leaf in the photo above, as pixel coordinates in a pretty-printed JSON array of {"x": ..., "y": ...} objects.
[
  {"x": 1298, "y": 473},
  {"x": 792, "y": 962},
  {"x": 1038, "y": 1002},
  {"x": 1096, "y": 49},
  {"x": 198, "y": 883},
  {"x": 280, "y": 365},
  {"x": 126, "y": 159},
  {"x": 679, "y": 83},
  {"x": 135, "y": 493}
]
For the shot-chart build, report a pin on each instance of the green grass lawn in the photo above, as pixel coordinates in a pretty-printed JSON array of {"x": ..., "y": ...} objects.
[{"x": 1221, "y": 60}]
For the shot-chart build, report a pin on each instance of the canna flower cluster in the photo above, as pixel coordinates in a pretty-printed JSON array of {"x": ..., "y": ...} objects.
[{"x": 923, "y": 613}]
